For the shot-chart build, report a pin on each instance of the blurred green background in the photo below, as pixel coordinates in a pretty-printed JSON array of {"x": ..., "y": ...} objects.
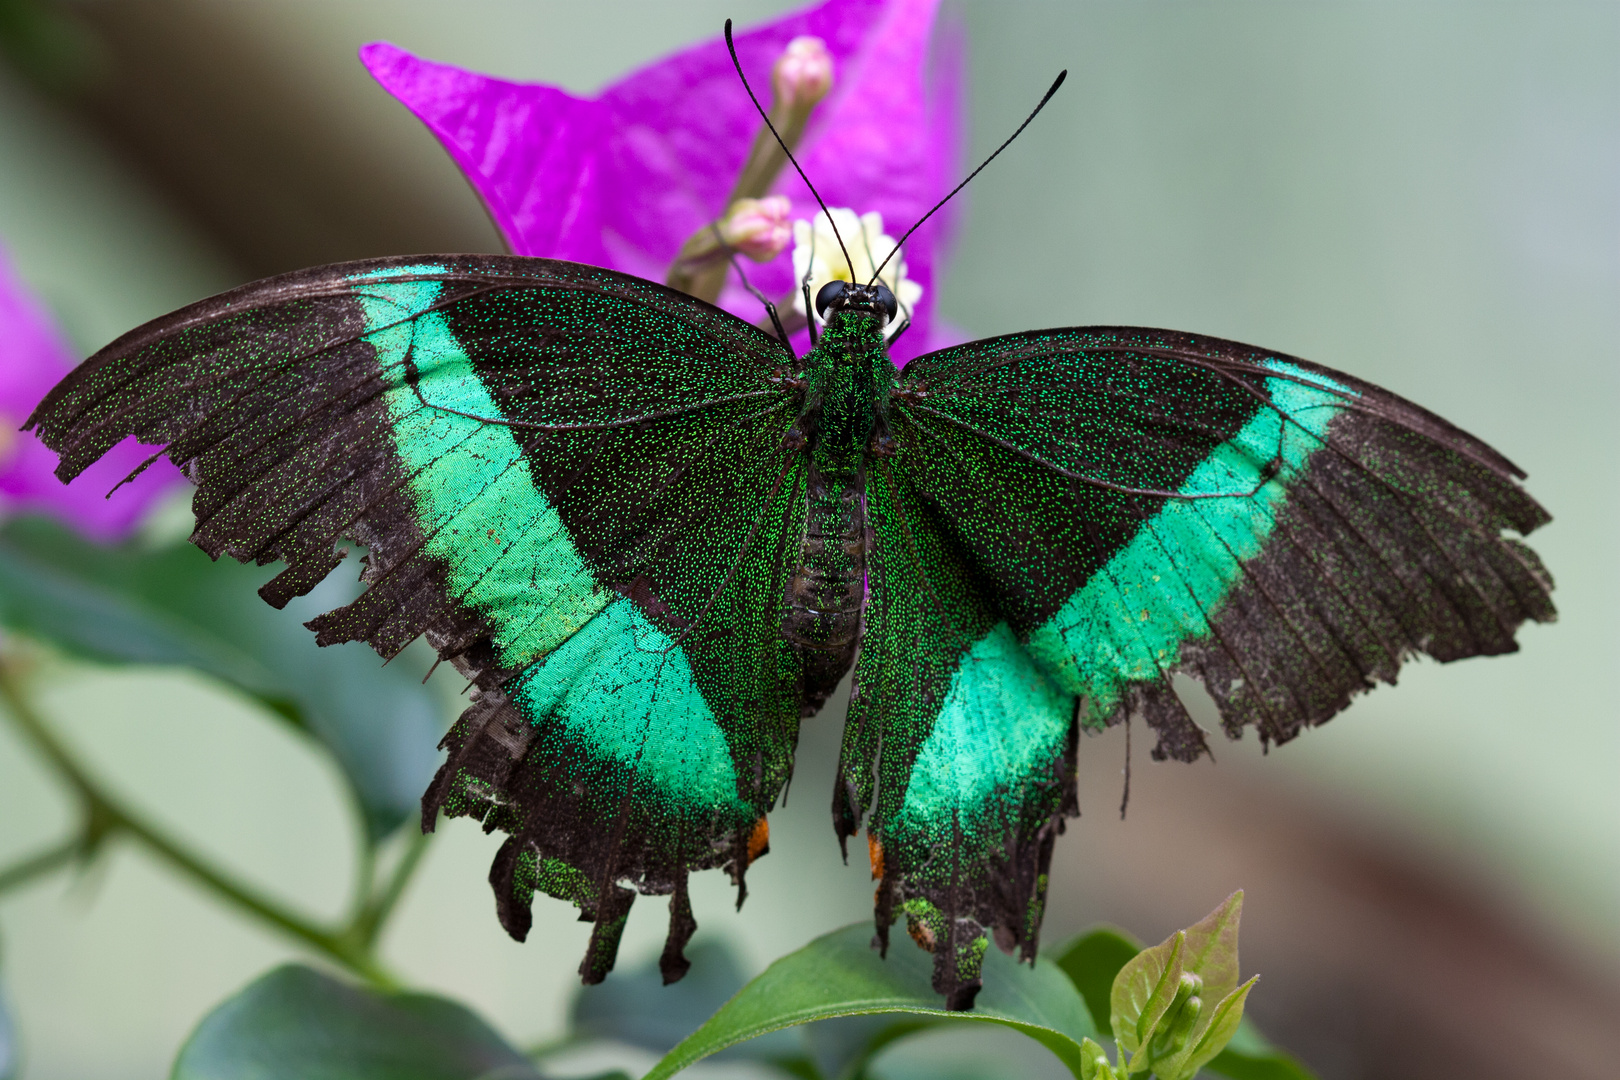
[{"x": 1424, "y": 194}]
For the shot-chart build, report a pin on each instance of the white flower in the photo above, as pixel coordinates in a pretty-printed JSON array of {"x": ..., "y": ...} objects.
[{"x": 816, "y": 252}]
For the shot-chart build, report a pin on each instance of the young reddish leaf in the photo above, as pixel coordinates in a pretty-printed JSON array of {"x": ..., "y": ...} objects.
[
  {"x": 1143, "y": 990},
  {"x": 1212, "y": 948}
]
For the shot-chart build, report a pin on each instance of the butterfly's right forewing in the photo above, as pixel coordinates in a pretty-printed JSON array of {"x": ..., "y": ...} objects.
[{"x": 1069, "y": 518}]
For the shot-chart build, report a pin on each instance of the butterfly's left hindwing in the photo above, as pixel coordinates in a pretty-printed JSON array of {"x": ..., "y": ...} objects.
[
  {"x": 571, "y": 481},
  {"x": 1072, "y": 517}
]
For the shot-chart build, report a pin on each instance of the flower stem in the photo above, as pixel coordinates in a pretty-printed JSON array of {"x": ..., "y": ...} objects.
[{"x": 105, "y": 815}]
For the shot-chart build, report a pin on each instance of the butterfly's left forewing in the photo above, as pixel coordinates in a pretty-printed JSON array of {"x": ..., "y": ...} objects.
[{"x": 571, "y": 481}]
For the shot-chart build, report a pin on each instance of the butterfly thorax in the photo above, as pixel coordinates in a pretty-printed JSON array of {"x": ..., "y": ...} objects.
[{"x": 847, "y": 379}]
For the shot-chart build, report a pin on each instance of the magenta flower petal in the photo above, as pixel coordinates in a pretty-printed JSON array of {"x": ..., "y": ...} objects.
[
  {"x": 33, "y": 358},
  {"x": 623, "y": 179}
]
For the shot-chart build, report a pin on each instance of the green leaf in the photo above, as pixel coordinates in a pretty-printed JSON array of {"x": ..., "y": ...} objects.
[
  {"x": 49, "y": 45},
  {"x": 1092, "y": 960},
  {"x": 96, "y": 622},
  {"x": 637, "y": 1008},
  {"x": 842, "y": 1047},
  {"x": 1222, "y": 1025},
  {"x": 839, "y": 974},
  {"x": 1142, "y": 992},
  {"x": 175, "y": 606},
  {"x": 298, "y": 1024},
  {"x": 1249, "y": 1056},
  {"x": 1212, "y": 948}
]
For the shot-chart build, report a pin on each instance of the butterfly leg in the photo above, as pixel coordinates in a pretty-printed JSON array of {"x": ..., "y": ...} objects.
[
  {"x": 770, "y": 308},
  {"x": 896, "y": 335},
  {"x": 810, "y": 316},
  {"x": 776, "y": 321}
]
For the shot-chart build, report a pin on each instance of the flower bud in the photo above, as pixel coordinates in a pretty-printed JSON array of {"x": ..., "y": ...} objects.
[
  {"x": 1180, "y": 1019},
  {"x": 1094, "y": 1062},
  {"x": 804, "y": 73},
  {"x": 756, "y": 224},
  {"x": 1186, "y": 1022},
  {"x": 757, "y": 228}
]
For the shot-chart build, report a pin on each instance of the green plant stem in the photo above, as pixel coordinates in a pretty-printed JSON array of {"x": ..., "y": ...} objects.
[
  {"x": 365, "y": 875},
  {"x": 25, "y": 870},
  {"x": 368, "y": 923},
  {"x": 105, "y": 815}
]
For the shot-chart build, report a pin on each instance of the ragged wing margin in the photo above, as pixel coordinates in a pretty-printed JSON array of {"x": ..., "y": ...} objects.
[
  {"x": 960, "y": 750},
  {"x": 1349, "y": 529},
  {"x": 278, "y": 400},
  {"x": 1071, "y": 518}
]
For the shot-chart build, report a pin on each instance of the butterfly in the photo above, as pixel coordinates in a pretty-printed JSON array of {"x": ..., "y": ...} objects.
[{"x": 654, "y": 540}]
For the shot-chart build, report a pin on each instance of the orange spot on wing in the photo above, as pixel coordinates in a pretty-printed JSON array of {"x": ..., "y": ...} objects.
[
  {"x": 874, "y": 851},
  {"x": 759, "y": 840}
]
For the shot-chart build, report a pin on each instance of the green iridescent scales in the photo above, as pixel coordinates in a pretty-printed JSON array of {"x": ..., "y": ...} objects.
[
  {"x": 977, "y": 755},
  {"x": 654, "y": 540},
  {"x": 609, "y": 699}
]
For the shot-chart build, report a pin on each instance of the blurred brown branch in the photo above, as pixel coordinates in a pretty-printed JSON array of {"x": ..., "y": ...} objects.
[{"x": 238, "y": 127}]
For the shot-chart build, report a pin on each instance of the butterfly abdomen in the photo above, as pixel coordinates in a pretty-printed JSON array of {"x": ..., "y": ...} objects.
[
  {"x": 827, "y": 590},
  {"x": 826, "y": 593}
]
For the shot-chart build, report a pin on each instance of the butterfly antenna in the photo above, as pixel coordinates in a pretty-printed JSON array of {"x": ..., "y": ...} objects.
[
  {"x": 732, "y": 48},
  {"x": 1064, "y": 74}
]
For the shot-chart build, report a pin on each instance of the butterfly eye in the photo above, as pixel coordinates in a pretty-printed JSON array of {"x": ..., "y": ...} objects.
[
  {"x": 830, "y": 294},
  {"x": 886, "y": 299}
]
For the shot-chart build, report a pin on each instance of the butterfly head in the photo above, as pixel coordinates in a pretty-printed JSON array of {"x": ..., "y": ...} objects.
[{"x": 842, "y": 296}]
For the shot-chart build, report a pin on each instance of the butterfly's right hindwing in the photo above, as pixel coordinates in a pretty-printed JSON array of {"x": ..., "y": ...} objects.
[{"x": 571, "y": 481}]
